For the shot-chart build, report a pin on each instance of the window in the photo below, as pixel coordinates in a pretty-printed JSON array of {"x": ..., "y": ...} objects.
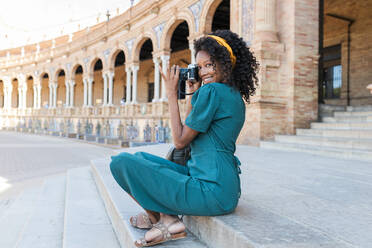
[
  {"x": 332, "y": 72},
  {"x": 332, "y": 82}
]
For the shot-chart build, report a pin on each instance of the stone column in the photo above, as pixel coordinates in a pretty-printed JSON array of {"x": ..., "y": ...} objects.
[
  {"x": 72, "y": 93},
  {"x": 164, "y": 65},
  {"x": 5, "y": 89},
  {"x": 135, "y": 69},
  {"x": 156, "y": 80},
  {"x": 38, "y": 87},
  {"x": 104, "y": 102},
  {"x": 85, "y": 83},
  {"x": 129, "y": 80},
  {"x": 55, "y": 86},
  {"x": 191, "y": 47},
  {"x": 50, "y": 95},
  {"x": 67, "y": 104},
  {"x": 90, "y": 92},
  {"x": 35, "y": 97},
  {"x": 110, "y": 87},
  {"x": 266, "y": 21},
  {"x": 10, "y": 90},
  {"x": 20, "y": 98}
]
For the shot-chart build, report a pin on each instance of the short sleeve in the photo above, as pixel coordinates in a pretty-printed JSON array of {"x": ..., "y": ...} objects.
[{"x": 204, "y": 106}]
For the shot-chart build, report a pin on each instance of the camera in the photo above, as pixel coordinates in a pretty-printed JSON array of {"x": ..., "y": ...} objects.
[{"x": 190, "y": 73}]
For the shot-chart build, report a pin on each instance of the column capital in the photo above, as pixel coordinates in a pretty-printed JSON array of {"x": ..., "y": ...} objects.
[
  {"x": 135, "y": 67},
  {"x": 156, "y": 60},
  {"x": 107, "y": 72}
]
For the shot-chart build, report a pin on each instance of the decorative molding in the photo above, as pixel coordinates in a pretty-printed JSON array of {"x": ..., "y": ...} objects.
[
  {"x": 106, "y": 53},
  {"x": 158, "y": 31},
  {"x": 196, "y": 10},
  {"x": 129, "y": 44},
  {"x": 248, "y": 20}
]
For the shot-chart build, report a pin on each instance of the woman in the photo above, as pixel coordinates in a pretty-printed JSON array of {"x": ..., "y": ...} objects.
[{"x": 209, "y": 184}]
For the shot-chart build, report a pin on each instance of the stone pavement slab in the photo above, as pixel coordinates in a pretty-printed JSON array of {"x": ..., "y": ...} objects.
[
  {"x": 45, "y": 227},
  {"x": 86, "y": 221}
]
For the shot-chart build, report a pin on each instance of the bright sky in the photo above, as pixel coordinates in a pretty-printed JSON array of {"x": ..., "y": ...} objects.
[{"x": 26, "y": 22}]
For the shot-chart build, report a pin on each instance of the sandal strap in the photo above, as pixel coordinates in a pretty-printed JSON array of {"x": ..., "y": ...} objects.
[
  {"x": 164, "y": 229},
  {"x": 146, "y": 219}
]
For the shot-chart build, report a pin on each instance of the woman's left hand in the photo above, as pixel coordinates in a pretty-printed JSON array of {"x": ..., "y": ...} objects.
[{"x": 171, "y": 79}]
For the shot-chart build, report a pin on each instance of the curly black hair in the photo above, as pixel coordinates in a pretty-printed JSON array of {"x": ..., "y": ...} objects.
[{"x": 243, "y": 76}]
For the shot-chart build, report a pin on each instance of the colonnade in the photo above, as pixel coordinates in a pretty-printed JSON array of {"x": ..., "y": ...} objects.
[{"x": 108, "y": 85}]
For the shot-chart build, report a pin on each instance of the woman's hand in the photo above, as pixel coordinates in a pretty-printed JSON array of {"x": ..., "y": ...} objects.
[
  {"x": 191, "y": 87},
  {"x": 171, "y": 79}
]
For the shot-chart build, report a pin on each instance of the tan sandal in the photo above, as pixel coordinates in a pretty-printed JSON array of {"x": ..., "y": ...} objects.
[
  {"x": 145, "y": 220},
  {"x": 165, "y": 235}
]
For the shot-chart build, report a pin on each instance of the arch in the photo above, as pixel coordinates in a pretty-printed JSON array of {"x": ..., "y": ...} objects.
[
  {"x": 15, "y": 95},
  {"x": 77, "y": 77},
  {"x": 30, "y": 91},
  {"x": 92, "y": 65},
  {"x": 113, "y": 56},
  {"x": 77, "y": 68},
  {"x": 207, "y": 14},
  {"x": 44, "y": 81},
  {"x": 58, "y": 72},
  {"x": 96, "y": 73},
  {"x": 140, "y": 41},
  {"x": 119, "y": 83},
  {"x": 172, "y": 24},
  {"x": 60, "y": 78}
]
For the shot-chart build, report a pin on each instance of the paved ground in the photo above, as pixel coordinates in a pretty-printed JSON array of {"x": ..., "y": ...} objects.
[
  {"x": 25, "y": 156},
  {"x": 327, "y": 196}
]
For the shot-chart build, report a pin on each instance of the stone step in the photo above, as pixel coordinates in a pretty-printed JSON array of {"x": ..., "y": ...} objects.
[
  {"x": 359, "y": 108},
  {"x": 325, "y": 195},
  {"x": 360, "y": 134},
  {"x": 45, "y": 228},
  {"x": 353, "y": 154},
  {"x": 347, "y": 119},
  {"x": 342, "y": 126},
  {"x": 343, "y": 143},
  {"x": 86, "y": 222},
  {"x": 353, "y": 113},
  {"x": 120, "y": 206},
  {"x": 16, "y": 217}
]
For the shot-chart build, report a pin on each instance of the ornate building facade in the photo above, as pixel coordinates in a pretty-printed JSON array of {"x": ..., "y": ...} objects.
[{"x": 105, "y": 81}]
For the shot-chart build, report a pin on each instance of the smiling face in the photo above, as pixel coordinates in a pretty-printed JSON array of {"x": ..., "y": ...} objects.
[{"x": 208, "y": 72}]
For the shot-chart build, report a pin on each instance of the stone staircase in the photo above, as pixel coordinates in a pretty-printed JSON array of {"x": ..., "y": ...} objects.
[
  {"x": 347, "y": 135},
  {"x": 85, "y": 207}
]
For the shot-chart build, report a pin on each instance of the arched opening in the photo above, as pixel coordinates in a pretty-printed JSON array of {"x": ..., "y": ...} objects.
[
  {"x": 61, "y": 89},
  {"x": 30, "y": 92},
  {"x": 145, "y": 83},
  {"x": 79, "y": 86},
  {"x": 1, "y": 94},
  {"x": 119, "y": 90},
  {"x": 180, "y": 53},
  {"x": 15, "y": 95},
  {"x": 221, "y": 18},
  {"x": 97, "y": 89},
  {"x": 45, "y": 90}
]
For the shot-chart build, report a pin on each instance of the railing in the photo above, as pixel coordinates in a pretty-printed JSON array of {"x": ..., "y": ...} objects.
[{"x": 141, "y": 110}]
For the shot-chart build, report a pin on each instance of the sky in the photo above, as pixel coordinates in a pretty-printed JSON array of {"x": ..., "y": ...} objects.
[{"x": 25, "y": 22}]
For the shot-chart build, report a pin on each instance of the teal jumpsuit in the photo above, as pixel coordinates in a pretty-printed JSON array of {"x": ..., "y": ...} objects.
[{"x": 209, "y": 184}]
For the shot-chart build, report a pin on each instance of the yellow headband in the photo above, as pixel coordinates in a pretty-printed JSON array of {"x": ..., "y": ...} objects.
[{"x": 223, "y": 43}]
